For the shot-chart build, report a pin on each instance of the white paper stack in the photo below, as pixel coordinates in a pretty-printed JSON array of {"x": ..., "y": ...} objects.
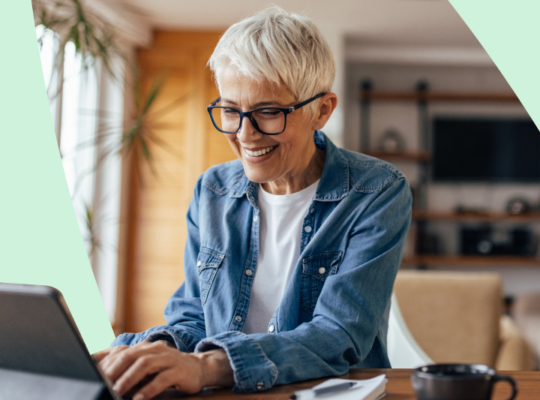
[{"x": 368, "y": 389}]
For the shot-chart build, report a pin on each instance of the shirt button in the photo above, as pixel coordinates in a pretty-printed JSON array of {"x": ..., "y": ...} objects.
[
  {"x": 307, "y": 229},
  {"x": 252, "y": 199},
  {"x": 271, "y": 328},
  {"x": 322, "y": 270},
  {"x": 255, "y": 218},
  {"x": 260, "y": 385},
  {"x": 198, "y": 263},
  {"x": 249, "y": 272},
  {"x": 238, "y": 318}
]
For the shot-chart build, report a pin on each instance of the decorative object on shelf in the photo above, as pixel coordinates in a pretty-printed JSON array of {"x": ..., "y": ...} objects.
[
  {"x": 517, "y": 206},
  {"x": 476, "y": 240},
  {"x": 391, "y": 141},
  {"x": 484, "y": 240}
]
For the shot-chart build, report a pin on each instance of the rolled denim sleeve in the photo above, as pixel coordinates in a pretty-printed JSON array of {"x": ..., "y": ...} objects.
[
  {"x": 252, "y": 369},
  {"x": 180, "y": 335},
  {"x": 184, "y": 312},
  {"x": 346, "y": 329}
]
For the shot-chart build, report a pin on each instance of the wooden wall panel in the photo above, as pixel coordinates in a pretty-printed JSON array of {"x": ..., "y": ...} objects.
[{"x": 156, "y": 269}]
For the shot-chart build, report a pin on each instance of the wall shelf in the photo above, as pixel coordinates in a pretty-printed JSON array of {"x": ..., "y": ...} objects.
[
  {"x": 472, "y": 261},
  {"x": 422, "y": 96},
  {"x": 475, "y": 217},
  {"x": 413, "y": 156},
  {"x": 501, "y": 97}
]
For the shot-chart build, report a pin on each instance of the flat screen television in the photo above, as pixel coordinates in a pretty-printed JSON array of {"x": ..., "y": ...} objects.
[{"x": 485, "y": 150}]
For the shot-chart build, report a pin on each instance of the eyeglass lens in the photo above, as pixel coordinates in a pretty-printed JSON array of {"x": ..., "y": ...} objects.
[{"x": 269, "y": 120}]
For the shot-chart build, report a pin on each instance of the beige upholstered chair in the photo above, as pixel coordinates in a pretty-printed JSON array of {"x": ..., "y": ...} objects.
[
  {"x": 403, "y": 351},
  {"x": 456, "y": 317},
  {"x": 527, "y": 314},
  {"x": 515, "y": 353}
]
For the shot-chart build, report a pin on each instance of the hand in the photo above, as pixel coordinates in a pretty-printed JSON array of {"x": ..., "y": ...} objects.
[
  {"x": 188, "y": 372},
  {"x": 100, "y": 355}
]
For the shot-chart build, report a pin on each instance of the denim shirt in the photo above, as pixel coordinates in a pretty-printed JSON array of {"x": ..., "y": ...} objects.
[{"x": 334, "y": 313}]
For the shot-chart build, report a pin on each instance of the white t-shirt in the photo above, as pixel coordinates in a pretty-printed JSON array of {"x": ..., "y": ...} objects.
[{"x": 279, "y": 249}]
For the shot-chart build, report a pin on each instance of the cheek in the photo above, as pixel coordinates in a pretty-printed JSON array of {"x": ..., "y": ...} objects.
[
  {"x": 234, "y": 145},
  {"x": 297, "y": 136},
  {"x": 290, "y": 143}
]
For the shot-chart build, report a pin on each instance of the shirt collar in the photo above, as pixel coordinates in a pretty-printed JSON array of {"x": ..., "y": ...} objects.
[{"x": 334, "y": 184}]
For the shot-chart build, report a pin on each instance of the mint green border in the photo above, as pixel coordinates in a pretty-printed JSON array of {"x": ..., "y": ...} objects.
[
  {"x": 509, "y": 31},
  {"x": 40, "y": 242}
]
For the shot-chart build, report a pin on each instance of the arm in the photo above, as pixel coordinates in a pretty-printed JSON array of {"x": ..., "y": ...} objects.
[
  {"x": 346, "y": 327},
  {"x": 183, "y": 313},
  {"x": 154, "y": 352},
  {"x": 163, "y": 367}
]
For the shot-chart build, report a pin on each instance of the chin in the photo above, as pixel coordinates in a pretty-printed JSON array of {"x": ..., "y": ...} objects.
[{"x": 257, "y": 175}]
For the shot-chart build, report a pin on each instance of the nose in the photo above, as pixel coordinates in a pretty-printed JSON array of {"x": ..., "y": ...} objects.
[{"x": 247, "y": 132}]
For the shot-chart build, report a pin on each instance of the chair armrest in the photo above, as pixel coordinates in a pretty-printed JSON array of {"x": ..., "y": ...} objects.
[{"x": 514, "y": 353}]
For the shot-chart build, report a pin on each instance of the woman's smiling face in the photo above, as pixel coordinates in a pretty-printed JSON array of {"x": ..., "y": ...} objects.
[{"x": 265, "y": 158}]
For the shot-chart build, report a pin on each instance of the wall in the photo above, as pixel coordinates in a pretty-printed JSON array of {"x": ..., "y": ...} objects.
[{"x": 403, "y": 117}]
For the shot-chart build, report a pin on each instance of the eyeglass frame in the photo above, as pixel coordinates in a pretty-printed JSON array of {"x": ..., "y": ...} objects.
[{"x": 243, "y": 114}]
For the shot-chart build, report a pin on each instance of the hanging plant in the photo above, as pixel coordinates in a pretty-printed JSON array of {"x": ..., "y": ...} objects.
[
  {"x": 139, "y": 137},
  {"x": 92, "y": 241},
  {"x": 75, "y": 21}
]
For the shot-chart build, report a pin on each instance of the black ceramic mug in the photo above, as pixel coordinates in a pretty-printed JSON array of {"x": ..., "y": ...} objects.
[{"x": 457, "y": 382}]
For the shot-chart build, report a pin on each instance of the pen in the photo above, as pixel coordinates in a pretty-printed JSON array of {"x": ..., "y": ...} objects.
[{"x": 314, "y": 393}]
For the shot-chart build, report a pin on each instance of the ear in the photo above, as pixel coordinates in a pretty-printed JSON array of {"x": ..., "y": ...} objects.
[{"x": 327, "y": 105}]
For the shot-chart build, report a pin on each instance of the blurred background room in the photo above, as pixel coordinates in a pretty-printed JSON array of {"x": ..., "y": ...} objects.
[{"x": 128, "y": 86}]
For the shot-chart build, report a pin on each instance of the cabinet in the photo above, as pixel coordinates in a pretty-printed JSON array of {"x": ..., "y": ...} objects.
[{"x": 422, "y": 215}]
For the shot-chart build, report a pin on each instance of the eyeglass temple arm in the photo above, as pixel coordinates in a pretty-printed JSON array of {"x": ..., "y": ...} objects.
[{"x": 296, "y": 107}]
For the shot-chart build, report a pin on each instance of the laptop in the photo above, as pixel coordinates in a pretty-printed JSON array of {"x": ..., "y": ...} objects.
[{"x": 42, "y": 354}]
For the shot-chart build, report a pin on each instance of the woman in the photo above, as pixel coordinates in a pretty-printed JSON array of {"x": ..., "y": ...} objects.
[{"x": 292, "y": 249}]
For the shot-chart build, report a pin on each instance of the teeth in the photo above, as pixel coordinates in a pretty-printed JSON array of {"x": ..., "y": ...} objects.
[{"x": 259, "y": 153}]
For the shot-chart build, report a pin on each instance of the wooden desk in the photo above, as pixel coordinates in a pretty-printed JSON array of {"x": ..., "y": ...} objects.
[{"x": 398, "y": 387}]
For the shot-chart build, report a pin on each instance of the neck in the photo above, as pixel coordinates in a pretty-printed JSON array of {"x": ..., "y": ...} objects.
[{"x": 308, "y": 173}]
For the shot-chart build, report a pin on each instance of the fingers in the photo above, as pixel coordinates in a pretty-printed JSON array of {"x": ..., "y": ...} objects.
[
  {"x": 157, "y": 385},
  {"x": 110, "y": 356},
  {"x": 129, "y": 366},
  {"x": 141, "y": 368},
  {"x": 100, "y": 355},
  {"x": 116, "y": 364}
]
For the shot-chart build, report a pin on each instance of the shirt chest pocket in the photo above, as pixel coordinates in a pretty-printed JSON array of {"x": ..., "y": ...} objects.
[
  {"x": 315, "y": 270},
  {"x": 208, "y": 263}
]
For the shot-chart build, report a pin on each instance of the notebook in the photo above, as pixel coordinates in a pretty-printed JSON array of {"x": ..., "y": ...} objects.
[{"x": 367, "y": 389}]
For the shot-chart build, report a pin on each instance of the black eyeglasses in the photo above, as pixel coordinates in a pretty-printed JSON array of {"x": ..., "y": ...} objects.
[{"x": 267, "y": 120}]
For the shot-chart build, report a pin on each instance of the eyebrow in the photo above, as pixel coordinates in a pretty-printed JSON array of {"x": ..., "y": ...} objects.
[{"x": 256, "y": 105}]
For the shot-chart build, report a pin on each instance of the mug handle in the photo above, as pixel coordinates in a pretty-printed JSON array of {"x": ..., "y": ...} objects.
[{"x": 510, "y": 380}]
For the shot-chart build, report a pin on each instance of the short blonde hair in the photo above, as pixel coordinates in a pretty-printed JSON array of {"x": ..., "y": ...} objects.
[{"x": 281, "y": 47}]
